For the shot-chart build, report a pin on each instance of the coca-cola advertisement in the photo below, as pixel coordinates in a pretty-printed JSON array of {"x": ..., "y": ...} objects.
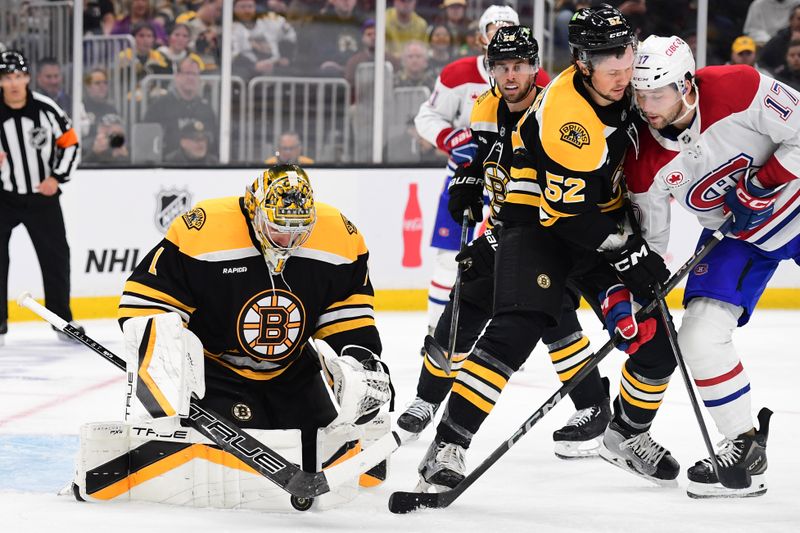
[{"x": 412, "y": 230}]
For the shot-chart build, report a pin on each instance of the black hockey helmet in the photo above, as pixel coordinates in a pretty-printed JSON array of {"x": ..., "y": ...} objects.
[
  {"x": 513, "y": 42},
  {"x": 593, "y": 29},
  {"x": 13, "y": 61}
]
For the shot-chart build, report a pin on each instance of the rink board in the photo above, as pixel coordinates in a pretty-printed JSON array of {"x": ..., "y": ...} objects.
[{"x": 114, "y": 217}]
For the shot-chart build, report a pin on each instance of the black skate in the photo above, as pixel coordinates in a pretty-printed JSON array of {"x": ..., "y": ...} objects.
[
  {"x": 742, "y": 462},
  {"x": 442, "y": 468},
  {"x": 417, "y": 417},
  {"x": 580, "y": 438},
  {"x": 640, "y": 455}
]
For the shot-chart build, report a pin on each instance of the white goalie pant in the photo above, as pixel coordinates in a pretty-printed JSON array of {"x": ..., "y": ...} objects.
[
  {"x": 162, "y": 462},
  {"x": 705, "y": 339}
]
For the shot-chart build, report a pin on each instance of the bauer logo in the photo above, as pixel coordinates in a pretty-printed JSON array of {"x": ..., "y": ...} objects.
[{"x": 170, "y": 204}]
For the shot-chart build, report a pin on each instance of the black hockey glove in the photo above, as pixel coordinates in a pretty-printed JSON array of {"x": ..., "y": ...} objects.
[
  {"x": 466, "y": 192},
  {"x": 477, "y": 259},
  {"x": 638, "y": 267}
]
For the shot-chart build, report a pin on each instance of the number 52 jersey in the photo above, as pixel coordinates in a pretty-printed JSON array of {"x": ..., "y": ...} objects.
[
  {"x": 745, "y": 123},
  {"x": 209, "y": 269}
]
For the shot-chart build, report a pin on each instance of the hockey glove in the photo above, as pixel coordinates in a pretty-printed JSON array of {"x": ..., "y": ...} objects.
[
  {"x": 466, "y": 192},
  {"x": 750, "y": 204},
  {"x": 637, "y": 266},
  {"x": 361, "y": 384},
  {"x": 477, "y": 259},
  {"x": 616, "y": 304},
  {"x": 460, "y": 146}
]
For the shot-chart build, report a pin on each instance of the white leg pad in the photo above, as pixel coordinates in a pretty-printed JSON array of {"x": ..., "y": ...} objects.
[{"x": 705, "y": 339}]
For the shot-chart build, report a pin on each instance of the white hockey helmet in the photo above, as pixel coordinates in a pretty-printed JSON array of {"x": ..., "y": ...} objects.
[
  {"x": 498, "y": 15},
  {"x": 661, "y": 61}
]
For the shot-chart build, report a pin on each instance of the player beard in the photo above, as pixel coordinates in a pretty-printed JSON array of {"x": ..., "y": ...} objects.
[
  {"x": 662, "y": 121},
  {"x": 522, "y": 92}
]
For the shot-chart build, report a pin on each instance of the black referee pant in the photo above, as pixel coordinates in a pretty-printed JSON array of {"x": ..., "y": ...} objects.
[{"x": 42, "y": 217}]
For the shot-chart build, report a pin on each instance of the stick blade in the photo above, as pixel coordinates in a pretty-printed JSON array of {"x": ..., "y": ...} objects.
[
  {"x": 405, "y": 502},
  {"x": 438, "y": 354}
]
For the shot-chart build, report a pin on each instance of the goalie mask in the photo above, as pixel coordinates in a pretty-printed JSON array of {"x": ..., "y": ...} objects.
[{"x": 280, "y": 205}]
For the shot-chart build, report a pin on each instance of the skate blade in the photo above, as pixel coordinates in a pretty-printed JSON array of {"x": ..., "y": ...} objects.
[
  {"x": 584, "y": 449},
  {"x": 699, "y": 491},
  {"x": 623, "y": 464}
]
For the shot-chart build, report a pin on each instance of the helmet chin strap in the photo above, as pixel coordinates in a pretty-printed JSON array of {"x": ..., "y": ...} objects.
[{"x": 689, "y": 107}]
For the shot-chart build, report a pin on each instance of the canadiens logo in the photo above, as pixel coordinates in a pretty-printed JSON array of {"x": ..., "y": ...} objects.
[
  {"x": 701, "y": 269},
  {"x": 170, "y": 203},
  {"x": 270, "y": 325},
  {"x": 708, "y": 193},
  {"x": 574, "y": 134},
  {"x": 674, "y": 179},
  {"x": 195, "y": 218}
]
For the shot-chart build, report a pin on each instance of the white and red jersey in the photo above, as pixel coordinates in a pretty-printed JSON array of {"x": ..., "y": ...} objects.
[
  {"x": 746, "y": 122},
  {"x": 450, "y": 105}
]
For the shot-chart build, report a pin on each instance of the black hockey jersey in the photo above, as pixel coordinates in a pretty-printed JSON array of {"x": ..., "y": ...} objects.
[
  {"x": 209, "y": 269},
  {"x": 568, "y": 154}
]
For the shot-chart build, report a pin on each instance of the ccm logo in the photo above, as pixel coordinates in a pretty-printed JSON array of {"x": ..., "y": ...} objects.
[
  {"x": 753, "y": 202},
  {"x": 632, "y": 260}
]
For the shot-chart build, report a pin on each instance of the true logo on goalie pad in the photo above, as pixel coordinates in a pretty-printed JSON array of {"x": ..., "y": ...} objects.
[{"x": 270, "y": 324}]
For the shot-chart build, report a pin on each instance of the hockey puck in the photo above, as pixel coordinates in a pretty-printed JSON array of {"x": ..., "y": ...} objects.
[{"x": 301, "y": 504}]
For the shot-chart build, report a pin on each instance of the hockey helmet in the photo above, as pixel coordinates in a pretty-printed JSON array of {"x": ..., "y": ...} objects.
[
  {"x": 499, "y": 16},
  {"x": 661, "y": 61},
  {"x": 280, "y": 204},
  {"x": 513, "y": 42},
  {"x": 13, "y": 61},
  {"x": 594, "y": 29}
]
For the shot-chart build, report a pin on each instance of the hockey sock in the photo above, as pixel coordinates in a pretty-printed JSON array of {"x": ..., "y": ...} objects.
[
  {"x": 639, "y": 398},
  {"x": 568, "y": 356}
]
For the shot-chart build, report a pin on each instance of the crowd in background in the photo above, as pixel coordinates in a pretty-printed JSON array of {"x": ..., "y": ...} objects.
[{"x": 330, "y": 38}]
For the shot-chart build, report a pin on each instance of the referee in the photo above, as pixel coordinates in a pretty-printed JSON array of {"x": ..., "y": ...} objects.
[{"x": 38, "y": 152}]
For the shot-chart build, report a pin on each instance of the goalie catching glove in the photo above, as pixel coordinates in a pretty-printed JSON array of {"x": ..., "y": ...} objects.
[{"x": 361, "y": 384}]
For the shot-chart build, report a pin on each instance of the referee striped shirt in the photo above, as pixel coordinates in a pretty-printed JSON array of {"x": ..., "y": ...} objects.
[{"x": 38, "y": 141}]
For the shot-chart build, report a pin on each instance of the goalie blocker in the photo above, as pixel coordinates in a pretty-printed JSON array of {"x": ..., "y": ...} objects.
[{"x": 151, "y": 456}]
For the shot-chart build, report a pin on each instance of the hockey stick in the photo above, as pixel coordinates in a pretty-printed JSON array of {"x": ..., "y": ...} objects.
[
  {"x": 451, "y": 344},
  {"x": 229, "y": 437},
  {"x": 404, "y": 502}
]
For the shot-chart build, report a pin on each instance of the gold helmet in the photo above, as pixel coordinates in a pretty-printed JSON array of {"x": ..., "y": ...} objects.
[{"x": 280, "y": 204}]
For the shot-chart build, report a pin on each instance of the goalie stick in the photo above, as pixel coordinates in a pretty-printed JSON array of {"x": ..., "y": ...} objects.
[
  {"x": 234, "y": 440},
  {"x": 405, "y": 501}
]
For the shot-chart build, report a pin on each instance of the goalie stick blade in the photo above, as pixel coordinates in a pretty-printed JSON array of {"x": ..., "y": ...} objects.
[
  {"x": 401, "y": 502},
  {"x": 438, "y": 354}
]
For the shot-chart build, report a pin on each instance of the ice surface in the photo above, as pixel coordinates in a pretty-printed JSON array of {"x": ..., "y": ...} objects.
[{"x": 48, "y": 388}]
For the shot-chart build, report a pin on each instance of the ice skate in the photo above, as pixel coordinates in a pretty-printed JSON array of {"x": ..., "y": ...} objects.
[
  {"x": 417, "y": 416},
  {"x": 582, "y": 435},
  {"x": 442, "y": 468},
  {"x": 639, "y": 454},
  {"x": 743, "y": 465}
]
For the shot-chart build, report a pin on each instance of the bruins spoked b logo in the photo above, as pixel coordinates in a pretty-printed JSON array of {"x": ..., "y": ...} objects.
[
  {"x": 270, "y": 325},
  {"x": 242, "y": 412}
]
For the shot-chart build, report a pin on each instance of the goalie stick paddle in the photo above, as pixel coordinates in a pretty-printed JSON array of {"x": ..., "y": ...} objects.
[
  {"x": 406, "y": 501},
  {"x": 234, "y": 440}
]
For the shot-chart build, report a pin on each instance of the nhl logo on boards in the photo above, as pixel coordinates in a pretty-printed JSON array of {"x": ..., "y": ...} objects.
[
  {"x": 195, "y": 219},
  {"x": 170, "y": 203},
  {"x": 37, "y": 137},
  {"x": 543, "y": 280},
  {"x": 242, "y": 412},
  {"x": 574, "y": 134}
]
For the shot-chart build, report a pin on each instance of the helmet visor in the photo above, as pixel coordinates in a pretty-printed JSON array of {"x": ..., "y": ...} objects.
[
  {"x": 282, "y": 238},
  {"x": 521, "y": 67}
]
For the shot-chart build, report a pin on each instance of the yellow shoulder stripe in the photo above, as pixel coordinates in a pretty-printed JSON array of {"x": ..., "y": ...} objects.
[
  {"x": 140, "y": 288},
  {"x": 211, "y": 226},
  {"x": 355, "y": 299}
]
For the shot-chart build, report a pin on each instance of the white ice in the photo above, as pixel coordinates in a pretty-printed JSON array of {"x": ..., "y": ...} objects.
[{"x": 48, "y": 388}]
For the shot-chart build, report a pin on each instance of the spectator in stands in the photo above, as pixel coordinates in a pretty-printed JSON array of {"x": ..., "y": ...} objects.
[
  {"x": 290, "y": 151},
  {"x": 274, "y": 27},
  {"x": 137, "y": 12},
  {"x": 193, "y": 146},
  {"x": 205, "y": 22},
  {"x": 365, "y": 54},
  {"x": 279, "y": 7},
  {"x": 178, "y": 48},
  {"x": 259, "y": 59},
  {"x": 455, "y": 18},
  {"x": 146, "y": 60},
  {"x": 403, "y": 25},
  {"x": 98, "y": 17},
  {"x": 773, "y": 54},
  {"x": 182, "y": 105},
  {"x": 109, "y": 144},
  {"x": 473, "y": 45},
  {"x": 743, "y": 52},
  {"x": 440, "y": 49},
  {"x": 95, "y": 99},
  {"x": 789, "y": 72},
  {"x": 415, "y": 71},
  {"x": 49, "y": 82},
  {"x": 331, "y": 38},
  {"x": 766, "y": 17}
]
